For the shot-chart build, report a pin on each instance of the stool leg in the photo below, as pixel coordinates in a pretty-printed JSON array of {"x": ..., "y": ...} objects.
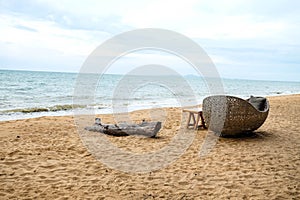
[
  {"x": 188, "y": 121},
  {"x": 197, "y": 122},
  {"x": 202, "y": 121},
  {"x": 194, "y": 120}
]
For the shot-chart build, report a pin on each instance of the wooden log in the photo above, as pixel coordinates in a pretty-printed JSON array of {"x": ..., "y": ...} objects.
[{"x": 147, "y": 129}]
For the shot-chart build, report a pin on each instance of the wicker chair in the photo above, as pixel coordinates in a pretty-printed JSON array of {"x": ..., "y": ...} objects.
[{"x": 230, "y": 116}]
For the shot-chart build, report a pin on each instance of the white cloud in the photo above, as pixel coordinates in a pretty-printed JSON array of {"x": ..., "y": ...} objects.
[
  {"x": 49, "y": 36},
  {"x": 232, "y": 32},
  {"x": 149, "y": 57},
  {"x": 236, "y": 28},
  {"x": 162, "y": 14}
]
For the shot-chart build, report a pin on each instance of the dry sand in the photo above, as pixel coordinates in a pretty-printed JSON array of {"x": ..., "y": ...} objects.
[{"x": 45, "y": 158}]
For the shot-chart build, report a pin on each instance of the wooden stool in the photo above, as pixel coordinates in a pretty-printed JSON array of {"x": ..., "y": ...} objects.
[{"x": 194, "y": 121}]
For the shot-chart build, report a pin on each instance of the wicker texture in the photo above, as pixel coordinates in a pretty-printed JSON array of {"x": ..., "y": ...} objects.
[{"x": 228, "y": 115}]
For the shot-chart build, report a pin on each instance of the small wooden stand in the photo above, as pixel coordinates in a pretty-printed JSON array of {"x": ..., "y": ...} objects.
[{"x": 194, "y": 118}]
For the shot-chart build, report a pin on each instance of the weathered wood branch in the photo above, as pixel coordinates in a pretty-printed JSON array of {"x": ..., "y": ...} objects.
[{"x": 147, "y": 129}]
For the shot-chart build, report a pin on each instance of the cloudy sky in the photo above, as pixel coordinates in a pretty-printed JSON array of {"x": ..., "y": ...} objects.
[{"x": 245, "y": 39}]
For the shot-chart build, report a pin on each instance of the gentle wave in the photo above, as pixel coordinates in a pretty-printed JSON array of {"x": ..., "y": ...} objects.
[{"x": 46, "y": 109}]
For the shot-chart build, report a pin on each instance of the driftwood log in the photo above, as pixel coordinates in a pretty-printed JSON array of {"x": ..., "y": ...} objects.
[{"x": 147, "y": 129}]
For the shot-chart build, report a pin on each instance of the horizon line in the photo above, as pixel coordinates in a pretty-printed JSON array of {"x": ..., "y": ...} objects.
[{"x": 230, "y": 78}]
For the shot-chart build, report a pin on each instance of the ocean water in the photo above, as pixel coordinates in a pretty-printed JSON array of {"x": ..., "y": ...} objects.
[{"x": 28, "y": 94}]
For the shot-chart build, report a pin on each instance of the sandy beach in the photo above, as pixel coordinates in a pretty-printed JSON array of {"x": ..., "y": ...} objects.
[{"x": 44, "y": 158}]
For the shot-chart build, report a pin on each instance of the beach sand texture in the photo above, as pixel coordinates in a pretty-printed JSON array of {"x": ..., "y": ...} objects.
[{"x": 45, "y": 158}]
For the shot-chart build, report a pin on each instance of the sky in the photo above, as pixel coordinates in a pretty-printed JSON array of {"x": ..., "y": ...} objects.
[{"x": 245, "y": 39}]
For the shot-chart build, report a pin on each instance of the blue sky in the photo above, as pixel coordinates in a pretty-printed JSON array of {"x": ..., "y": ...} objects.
[{"x": 245, "y": 39}]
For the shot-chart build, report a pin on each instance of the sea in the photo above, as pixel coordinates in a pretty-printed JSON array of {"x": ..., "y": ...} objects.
[{"x": 30, "y": 94}]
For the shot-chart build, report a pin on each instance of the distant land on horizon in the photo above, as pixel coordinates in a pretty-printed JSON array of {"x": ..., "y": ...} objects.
[{"x": 187, "y": 75}]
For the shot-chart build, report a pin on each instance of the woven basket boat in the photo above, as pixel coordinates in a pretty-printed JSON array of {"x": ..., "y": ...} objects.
[{"x": 229, "y": 115}]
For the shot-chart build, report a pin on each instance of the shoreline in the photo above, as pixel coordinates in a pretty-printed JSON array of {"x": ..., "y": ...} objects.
[{"x": 66, "y": 113}]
